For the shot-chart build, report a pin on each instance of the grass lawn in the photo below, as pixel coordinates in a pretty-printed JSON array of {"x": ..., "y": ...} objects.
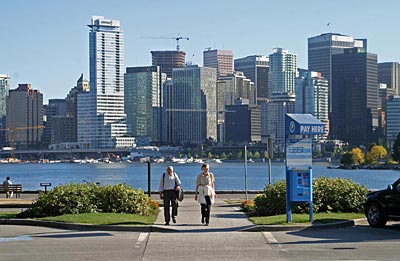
[
  {"x": 104, "y": 219},
  {"x": 11, "y": 214},
  {"x": 96, "y": 218},
  {"x": 319, "y": 218}
]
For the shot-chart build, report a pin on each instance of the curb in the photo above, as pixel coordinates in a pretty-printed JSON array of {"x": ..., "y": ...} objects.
[
  {"x": 156, "y": 228},
  {"x": 76, "y": 226},
  {"x": 275, "y": 228}
]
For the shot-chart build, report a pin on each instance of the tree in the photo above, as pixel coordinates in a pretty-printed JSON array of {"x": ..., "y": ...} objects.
[
  {"x": 266, "y": 154},
  {"x": 396, "y": 149},
  {"x": 189, "y": 155},
  {"x": 210, "y": 155},
  {"x": 223, "y": 156},
  {"x": 256, "y": 154},
  {"x": 240, "y": 154},
  {"x": 347, "y": 159},
  {"x": 357, "y": 155},
  {"x": 376, "y": 153}
]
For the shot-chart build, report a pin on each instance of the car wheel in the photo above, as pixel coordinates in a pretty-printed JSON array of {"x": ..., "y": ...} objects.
[{"x": 375, "y": 215}]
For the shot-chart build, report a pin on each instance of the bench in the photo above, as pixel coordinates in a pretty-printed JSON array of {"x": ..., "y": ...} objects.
[{"x": 16, "y": 188}]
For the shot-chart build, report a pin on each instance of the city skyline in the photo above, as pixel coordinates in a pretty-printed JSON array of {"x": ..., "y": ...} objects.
[{"x": 53, "y": 52}]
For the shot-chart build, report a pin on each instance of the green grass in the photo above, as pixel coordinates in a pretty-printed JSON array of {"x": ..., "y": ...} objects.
[
  {"x": 11, "y": 214},
  {"x": 104, "y": 219},
  {"x": 319, "y": 218}
]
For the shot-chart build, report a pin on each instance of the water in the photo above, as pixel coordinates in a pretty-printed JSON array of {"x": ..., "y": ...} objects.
[{"x": 229, "y": 176}]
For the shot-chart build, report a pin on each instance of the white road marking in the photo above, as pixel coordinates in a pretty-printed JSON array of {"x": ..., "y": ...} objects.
[
  {"x": 236, "y": 208},
  {"x": 13, "y": 239},
  {"x": 272, "y": 240},
  {"x": 142, "y": 237}
]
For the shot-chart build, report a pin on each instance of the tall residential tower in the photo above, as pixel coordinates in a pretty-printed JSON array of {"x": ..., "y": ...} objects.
[{"x": 101, "y": 117}]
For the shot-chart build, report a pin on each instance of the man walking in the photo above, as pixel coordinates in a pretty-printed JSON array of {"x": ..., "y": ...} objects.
[{"x": 169, "y": 185}]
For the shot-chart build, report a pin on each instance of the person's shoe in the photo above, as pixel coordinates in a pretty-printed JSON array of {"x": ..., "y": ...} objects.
[
  {"x": 166, "y": 223},
  {"x": 202, "y": 220},
  {"x": 206, "y": 223},
  {"x": 173, "y": 219}
]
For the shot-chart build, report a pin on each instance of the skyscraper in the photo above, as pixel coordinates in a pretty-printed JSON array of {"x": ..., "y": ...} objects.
[
  {"x": 82, "y": 86},
  {"x": 282, "y": 72},
  {"x": 354, "y": 96},
  {"x": 192, "y": 112},
  {"x": 4, "y": 91},
  {"x": 389, "y": 74},
  {"x": 222, "y": 60},
  {"x": 168, "y": 60},
  {"x": 25, "y": 117},
  {"x": 312, "y": 96},
  {"x": 101, "y": 117},
  {"x": 320, "y": 51},
  {"x": 281, "y": 94},
  {"x": 143, "y": 101},
  {"x": 255, "y": 67},
  {"x": 393, "y": 118}
]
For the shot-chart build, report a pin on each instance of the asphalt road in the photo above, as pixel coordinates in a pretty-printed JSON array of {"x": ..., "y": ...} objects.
[{"x": 355, "y": 243}]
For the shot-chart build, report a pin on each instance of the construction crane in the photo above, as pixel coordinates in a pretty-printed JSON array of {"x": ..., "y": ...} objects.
[
  {"x": 177, "y": 39},
  {"x": 12, "y": 130}
]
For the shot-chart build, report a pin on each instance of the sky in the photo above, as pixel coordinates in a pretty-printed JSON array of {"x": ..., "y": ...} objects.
[{"x": 46, "y": 42}]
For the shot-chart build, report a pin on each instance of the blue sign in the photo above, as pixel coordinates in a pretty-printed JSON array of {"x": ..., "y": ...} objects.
[{"x": 303, "y": 124}]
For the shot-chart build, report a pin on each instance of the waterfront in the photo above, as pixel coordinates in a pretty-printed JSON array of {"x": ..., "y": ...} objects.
[{"x": 229, "y": 176}]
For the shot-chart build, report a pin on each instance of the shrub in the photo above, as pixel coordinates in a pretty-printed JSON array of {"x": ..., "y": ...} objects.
[
  {"x": 87, "y": 198},
  {"x": 329, "y": 195},
  {"x": 248, "y": 205}
]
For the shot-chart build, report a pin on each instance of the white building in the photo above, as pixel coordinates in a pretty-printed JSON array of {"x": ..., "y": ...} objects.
[{"x": 101, "y": 117}]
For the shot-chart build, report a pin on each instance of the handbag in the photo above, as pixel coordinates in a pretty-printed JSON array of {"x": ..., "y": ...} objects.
[{"x": 179, "y": 192}]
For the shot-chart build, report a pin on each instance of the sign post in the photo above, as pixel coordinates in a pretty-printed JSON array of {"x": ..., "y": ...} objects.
[{"x": 298, "y": 145}]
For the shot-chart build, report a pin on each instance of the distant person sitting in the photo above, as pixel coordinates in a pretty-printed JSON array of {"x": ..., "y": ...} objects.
[{"x": 9, "y": 193}]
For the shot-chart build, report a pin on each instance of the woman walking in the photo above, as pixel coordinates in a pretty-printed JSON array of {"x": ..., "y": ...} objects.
[{"x": 205, "y": 192}]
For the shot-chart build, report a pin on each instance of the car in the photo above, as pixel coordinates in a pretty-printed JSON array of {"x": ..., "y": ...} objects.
[{"x": 383, "y": 205}]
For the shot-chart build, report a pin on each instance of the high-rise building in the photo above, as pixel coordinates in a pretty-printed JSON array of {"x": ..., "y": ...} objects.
[
  {"x": 354, "y": 115},
  {"x": 55, "y": 108},
  {"x": 222, "y": 60},
  {"x": 276, "y": 109},
  {"x": 4, "y": 91},
  {"x": 312, "y": 97},
  {"x": 255, "y": 67},
  {"x": 230, "y": 88},
  {"x": 192, "y": 106},
  {"x": 143, "y": 101},
  {"x": 25, "y": 117},
  {"x": 282, "y": 72},
  {"x": 320, "y": 51},
  {"x": 392, "y": 118},
  {"x": 168, "y": 60},
  {"x": 82, "y": 86},
  {"x": 101, "y": 117},
  {"x": 389, "y": 74},
  {"x": 281, "y": 95},
  {"x": 243, "y": 123}
]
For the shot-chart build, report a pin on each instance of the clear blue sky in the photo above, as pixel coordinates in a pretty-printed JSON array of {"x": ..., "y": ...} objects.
[{"x": 45, "y": 42}]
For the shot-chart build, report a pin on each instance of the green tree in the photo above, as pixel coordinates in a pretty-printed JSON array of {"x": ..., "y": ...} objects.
[
  {"x": 256, "y": 154},
  {"x": 223, "y": 156},
  {"x": 396, "y": 149},
  {"x": 376, "y": 153},
  {"x": 347, "y": 159},
  {"x": 249, "y": 154},
  {"x": 210, "y": 155},
  {"x": 265, "y": 154},
  {"x": 240, "y": 154},
  {"x": 189, "y": 155}
]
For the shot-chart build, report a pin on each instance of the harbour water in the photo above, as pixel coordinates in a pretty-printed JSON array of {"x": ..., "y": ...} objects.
[{"x": 229, "y": 176}]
